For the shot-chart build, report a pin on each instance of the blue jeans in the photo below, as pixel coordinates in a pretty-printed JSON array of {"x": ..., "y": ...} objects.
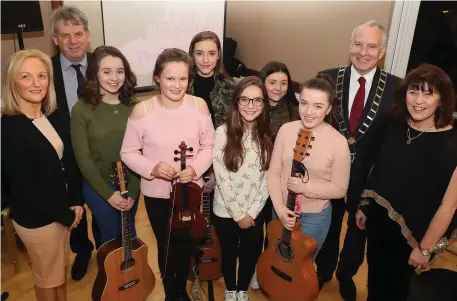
[
  {"x": 315, "y": 225},
  {"x": 108, "y": 218}
]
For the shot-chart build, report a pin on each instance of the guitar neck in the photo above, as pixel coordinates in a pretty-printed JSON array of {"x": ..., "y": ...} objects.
[
  {"x": 291, "y": 197},
  {"x": 126, "y": 233},
  {"x": 206, "y": 209}
]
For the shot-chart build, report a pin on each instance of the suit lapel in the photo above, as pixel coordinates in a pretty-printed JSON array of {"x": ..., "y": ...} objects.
[
  {"x": 60, "y": 87},
  {"x": 347, "y": 80}
]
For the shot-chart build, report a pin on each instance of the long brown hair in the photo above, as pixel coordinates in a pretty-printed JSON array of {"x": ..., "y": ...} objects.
[
  {"x": 234, "y": 151},
  {"x": 92, "y": 87},
  {"x": 209, "y": 35}
]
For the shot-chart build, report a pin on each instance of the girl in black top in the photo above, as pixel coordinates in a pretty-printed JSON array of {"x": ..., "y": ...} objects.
[
  {"x": 211, "y": 81},
  {"x": 39, "y": 175},
  {"x": 411, "y": 195}
]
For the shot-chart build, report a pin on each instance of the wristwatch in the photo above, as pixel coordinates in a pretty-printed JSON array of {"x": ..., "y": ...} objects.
[{"x": 424, "y": 251}]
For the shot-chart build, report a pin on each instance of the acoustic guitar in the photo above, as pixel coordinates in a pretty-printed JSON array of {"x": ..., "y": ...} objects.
[
  {"x": 123, "y": 270},
  {"x": 209, "y": 263},
  {"x": 285, "y": 269}
]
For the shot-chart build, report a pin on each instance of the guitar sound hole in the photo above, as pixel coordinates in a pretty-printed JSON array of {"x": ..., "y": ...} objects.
[
  {"x": 285, "y": 251},
  {"x": 127, "y": 264}
]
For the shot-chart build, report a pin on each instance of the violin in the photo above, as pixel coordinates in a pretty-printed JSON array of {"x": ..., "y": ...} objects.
[{"x": 186, "y": 219}]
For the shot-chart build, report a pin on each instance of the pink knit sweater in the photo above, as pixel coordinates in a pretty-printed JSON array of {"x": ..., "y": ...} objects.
[
  {"x": 328, "y": 165},
  {"x": 157, "y": 135}
]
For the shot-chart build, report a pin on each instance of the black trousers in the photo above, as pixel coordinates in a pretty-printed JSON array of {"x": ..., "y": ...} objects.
[
  {"x": 388, "y": 252},
  {"x": 79, "y": 238},
  {"x": 244, "y": 244},
  {"x": 174, "y": 264},
  {"x": 267, "y": 214},
  {"x": 436, "y": 284},
  {"x": 353, "y": 252}
]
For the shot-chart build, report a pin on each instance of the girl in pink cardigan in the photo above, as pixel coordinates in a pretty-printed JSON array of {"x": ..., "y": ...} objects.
[
  {"x": 154, "y": 131},
  {"x": 328, "y": 165}
]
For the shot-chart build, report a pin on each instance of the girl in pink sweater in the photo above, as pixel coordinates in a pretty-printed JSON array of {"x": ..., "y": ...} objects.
[
  {"x": 328, "y": 165},
  {"x": 154, "y": 131}
]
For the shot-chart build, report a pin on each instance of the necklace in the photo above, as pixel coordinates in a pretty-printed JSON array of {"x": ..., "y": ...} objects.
[
  {"x": 408, "y": 134},
  {"x": 115, "y": 110}
]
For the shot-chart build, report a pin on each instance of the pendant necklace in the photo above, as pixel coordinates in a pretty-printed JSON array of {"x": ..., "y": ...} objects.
[{"x": 408, "y": 134}]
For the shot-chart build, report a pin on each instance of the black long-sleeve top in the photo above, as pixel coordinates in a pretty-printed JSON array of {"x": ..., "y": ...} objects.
[{"x": 36, "y": 184}]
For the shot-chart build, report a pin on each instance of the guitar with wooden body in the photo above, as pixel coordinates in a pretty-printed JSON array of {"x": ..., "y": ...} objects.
[
  {"x": 209, "y": 263},
  {"x": 123, "y": 270},
  {"x": 285, "y": 269}
]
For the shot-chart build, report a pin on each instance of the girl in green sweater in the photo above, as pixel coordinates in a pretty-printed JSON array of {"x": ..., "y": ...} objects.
[{"x": 98, "y": 123}]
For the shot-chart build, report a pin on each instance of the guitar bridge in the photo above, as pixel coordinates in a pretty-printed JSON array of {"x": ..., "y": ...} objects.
[
  {"x": 281, "y": 274},
  {"x": 129, "y": 284}
]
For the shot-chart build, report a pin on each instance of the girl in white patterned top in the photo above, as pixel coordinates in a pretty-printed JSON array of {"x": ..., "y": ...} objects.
[{"x": 241, "y": 156}]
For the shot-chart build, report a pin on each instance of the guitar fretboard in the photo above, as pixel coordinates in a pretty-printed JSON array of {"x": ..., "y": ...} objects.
[
  {"x": 206, "y": 209},
  {"x": 126, "y": 233}
]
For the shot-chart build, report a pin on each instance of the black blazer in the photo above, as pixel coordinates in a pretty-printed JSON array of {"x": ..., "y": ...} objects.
[
  {"x": 34, "y": 180},
  {"x": 62, "y": 104},
  {"x": 369, "y": 144}
]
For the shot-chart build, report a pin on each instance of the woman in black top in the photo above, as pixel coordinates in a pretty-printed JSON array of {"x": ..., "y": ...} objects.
[
  {"x": 411, "y": 195},
  {"x": 39, "y": 175},
  {"x": 211, "y": 81}
]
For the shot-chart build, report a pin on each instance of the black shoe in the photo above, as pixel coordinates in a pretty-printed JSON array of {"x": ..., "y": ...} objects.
[
  {"x": 323, "y": 281},
  {"x": 5, "y": 296},
  {"x": 348, "y": 290},
  {"x": 80, "y": 265}
]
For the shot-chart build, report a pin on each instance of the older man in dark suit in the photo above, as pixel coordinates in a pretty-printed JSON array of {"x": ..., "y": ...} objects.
[
  {"x": 365, "y": 93},
  {"x": 71, "y": 34}
]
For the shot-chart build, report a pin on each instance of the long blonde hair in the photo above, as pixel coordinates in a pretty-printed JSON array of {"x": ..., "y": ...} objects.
[{"x": 10, "y": 96}]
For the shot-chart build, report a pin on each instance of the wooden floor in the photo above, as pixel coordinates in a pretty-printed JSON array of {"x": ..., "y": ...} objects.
[{"x": 20, "y": 285}]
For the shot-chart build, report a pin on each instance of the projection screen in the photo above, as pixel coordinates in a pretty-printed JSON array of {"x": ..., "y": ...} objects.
[{"x": 143, "y": 29}]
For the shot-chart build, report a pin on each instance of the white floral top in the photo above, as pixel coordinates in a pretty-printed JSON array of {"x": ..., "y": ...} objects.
[{"x": 241, "y": 192}]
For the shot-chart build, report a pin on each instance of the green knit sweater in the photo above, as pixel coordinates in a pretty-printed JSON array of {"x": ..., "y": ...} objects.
[{"x": 97, "y": 137}]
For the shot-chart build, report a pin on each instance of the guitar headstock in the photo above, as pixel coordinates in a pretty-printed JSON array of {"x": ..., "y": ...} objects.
[
  {"x": 120, "y": 176},
  {"x": 303, "y": 143}
]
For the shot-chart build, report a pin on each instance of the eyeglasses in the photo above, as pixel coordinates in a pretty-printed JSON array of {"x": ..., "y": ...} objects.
[{"x": 244, "y": 101}]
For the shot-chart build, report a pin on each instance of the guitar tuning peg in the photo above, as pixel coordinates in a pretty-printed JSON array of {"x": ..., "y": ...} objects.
[
  {"x": 312, "y": 138},
  {"x": 307, "y": 155},
  {"x": 191, "y": 149},
  {"x": 176, "y": 152},
  {"x": 175, "y": 159},
  {"x": 310, "y": 146}
]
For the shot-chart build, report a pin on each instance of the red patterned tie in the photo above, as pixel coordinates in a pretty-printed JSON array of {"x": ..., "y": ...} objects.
[{"x": 357, "y": 106}]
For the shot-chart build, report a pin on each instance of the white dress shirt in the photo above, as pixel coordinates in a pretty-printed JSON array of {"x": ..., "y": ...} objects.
[
  {"x": 354, "y": 86},
  {"x": 70, "y": 79}
]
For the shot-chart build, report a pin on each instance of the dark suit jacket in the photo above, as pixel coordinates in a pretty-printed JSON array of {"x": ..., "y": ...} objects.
[
  {"x": 63, "y": 114},
  {"x": 369, "y": 144},
  {"x": 62, "y": 104},
  {"x": 34, "y": 183}
]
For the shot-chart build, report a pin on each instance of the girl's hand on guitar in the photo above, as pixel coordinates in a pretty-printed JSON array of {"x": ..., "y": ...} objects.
[
  {"x": 130, "y": 203},
  {"x": 288, "y": 218},
  {"x": 118, "y": 202},
  {"x": 164, "y": 171},
  {"x": 296, "y": 185},
  {"x": 186, "y": 175},
  {"x": 209, "y": 184},
  {"x": 246, "y": 222}
]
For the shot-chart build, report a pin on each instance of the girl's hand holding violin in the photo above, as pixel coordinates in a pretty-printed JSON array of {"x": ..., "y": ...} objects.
[
  {"x": 164, "y": 171},
  {"x": 186, "y": 175}
]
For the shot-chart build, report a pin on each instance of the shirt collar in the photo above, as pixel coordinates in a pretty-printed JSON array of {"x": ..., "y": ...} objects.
[
  {"x": 368, "y": 77},
  {"x": 66, "y": 63}
]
